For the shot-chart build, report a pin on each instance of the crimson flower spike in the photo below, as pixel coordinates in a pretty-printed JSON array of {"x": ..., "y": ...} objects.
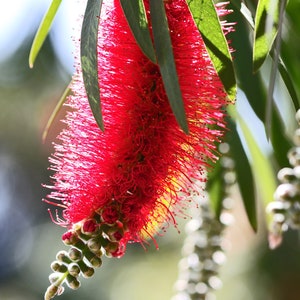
[{"x": 124, "y": 184}]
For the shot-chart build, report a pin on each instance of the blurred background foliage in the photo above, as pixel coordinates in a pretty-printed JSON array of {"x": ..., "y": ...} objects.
[{"x": 29, "y": 240}]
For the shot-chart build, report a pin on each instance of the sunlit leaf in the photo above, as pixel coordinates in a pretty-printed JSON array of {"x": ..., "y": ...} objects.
[
  {"x": 56, "y": 110},
  {"x": 274, "y": 69},
  {"x": 255, "y": 89},
  {"x": 135, "y": 13},
  {"x": 244, "y": 11},
  {"x": 206, "y": 18},
  {"x": 43, "y": 31},
  {"x": 285, "y": 75},
  {"x": 88, "y": 47},
  {"x": 266, "y": 26},
  {"x": 165, "y": 59},
  {"x": 260, "y": 164}
]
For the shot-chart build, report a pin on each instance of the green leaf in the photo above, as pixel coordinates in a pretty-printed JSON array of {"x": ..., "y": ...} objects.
[
  {"x": 255, "y": 89},
  {"x": 274, "y": 69},
  {"x": 216, "y": 185},
  {"x": 208, "y": 23},
  {"x": 244, "y": 175},
  {"x": 43, "y": 31},
  {"x": 286, "y": 77},
  {"x": 56, "y": 110},
  {"x": 165, "y": 59},
  {"x": 135, "y": 13},
  {"x": 266, "y": 26},
  {"x": 89, "y": 61},
  {"x": 261, "y": 164},
  {"x": 244, "y": 11}
]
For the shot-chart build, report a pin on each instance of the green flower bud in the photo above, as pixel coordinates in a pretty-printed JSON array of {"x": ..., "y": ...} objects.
[
  {"x": 75, "y": 254},
  {"x": 74, "y": 269},
  {"x": 73, "y": 282},
  {"x": 58, "y": 267}
]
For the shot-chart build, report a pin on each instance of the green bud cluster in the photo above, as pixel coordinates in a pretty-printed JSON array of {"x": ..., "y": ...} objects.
[
  {"x": 88, "y": 241},
  {"x": 202, "y": 256},
  {"x": 285, "y": 209},
  {"x": 202, "y": 252}
]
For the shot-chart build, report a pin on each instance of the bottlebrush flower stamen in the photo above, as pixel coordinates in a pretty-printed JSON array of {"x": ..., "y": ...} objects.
[{"x": 130, "y": 180}]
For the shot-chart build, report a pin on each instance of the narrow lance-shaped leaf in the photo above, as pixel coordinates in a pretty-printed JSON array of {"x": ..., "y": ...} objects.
[
  {"x": 260, "y": 163},
  {"x": 266, "y": 26},
  {"x": 43, "y": 31},
  {"x": 166, "y": 62},
  {"x": 244, "y": 11},
  {"x": 274, "y": 69},
  {"x": 255, "y": 90},
  {"x": 243, "y": 173},
  {"x": 88, "y": 47},
  {"x": 208, "y": 23},
  {"x": 285, "y": 75},
  {"x": 135, "y": 13}
]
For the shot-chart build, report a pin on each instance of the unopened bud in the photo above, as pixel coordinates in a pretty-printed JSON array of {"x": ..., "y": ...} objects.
[
  {"x": 89, "y": 227},
  {"x": 94, "y": 245},
  {"x": 286, "y": 175},
  {"x": 86, "y": 270},
  {"x": 58, "y": 267},
  {"x": 115, "y": 233},
  {"x": 51, "y": 292},
  {"x": 74, "y": 269},
  {"x": 110, "y": 248},
  {"x": 285, "y": 192},
  {"x": 75, "y": 254},
  {"x": 95, "y": 261},
  {"x": 63, "y": 257},
  {"x": 278, "y": 207},
  {"x": 70, "y": 238},
  {"x": 294, "y": 156},
  {"x": 54, "y": 277},
  {"x": 73, "y": 282}
]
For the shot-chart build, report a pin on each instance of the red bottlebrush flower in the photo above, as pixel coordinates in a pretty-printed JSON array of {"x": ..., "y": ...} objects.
[{"x": 131, "y": 176}]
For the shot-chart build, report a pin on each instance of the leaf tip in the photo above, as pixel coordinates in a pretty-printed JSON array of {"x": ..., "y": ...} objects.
[
  {"x": 185, "y": 128},
  {"x": 30, "y": 61},
  {"x": 101, "y": 125}
]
